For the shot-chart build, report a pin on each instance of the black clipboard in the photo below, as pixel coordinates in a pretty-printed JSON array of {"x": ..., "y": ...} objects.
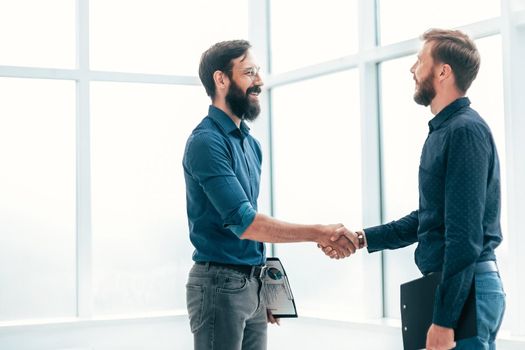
[{"x": 417, "y": 307}]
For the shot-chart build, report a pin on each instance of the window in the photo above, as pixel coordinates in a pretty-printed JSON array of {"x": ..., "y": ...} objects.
[
  {"x": 141, "y": 249},
  {"x": 37, "y": 205},
  {"x": 407, "y": 19},
  {"x": 404, "y": 129},
  {"x": 29, "y": 38},
  {"x": 305, "y": 33},
  {"x": 161, "y": 36},
  {"x": 90, "y": 156},
  {"x": 316, "y": 128}
]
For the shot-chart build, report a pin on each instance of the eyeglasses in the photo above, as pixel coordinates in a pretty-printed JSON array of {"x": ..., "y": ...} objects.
[{"x": 252, "y": 71}]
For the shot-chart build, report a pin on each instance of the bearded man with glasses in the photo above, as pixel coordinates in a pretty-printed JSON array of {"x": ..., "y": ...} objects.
[{"x": 222, "y": 169}]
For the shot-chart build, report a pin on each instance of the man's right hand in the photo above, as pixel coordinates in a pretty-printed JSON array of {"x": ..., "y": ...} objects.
[
  {"x": 338, "y": 242},
  {"x": 343, "y": 242}
]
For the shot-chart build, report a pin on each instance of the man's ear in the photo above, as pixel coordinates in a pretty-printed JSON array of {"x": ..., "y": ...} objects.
[
  {"x": 445, "y": 72},
  {"x": 221, "y": 80}
]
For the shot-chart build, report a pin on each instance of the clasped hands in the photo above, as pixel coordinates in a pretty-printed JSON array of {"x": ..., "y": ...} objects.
[{"x": 338, "y": 242}]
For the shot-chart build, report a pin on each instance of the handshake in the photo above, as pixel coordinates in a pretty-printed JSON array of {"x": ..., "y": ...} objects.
[{"x": 339, "y": 242}]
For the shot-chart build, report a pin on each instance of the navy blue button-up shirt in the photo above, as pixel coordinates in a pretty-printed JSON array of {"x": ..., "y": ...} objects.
[
  {"x": 458, "y": 221},
  {"x": 222, "y": 169}
]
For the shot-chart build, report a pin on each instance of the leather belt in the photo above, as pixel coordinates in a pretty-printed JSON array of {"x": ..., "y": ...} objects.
[
  {"x": 257, "y": 271},
  {"x": 486, "y": 266}
]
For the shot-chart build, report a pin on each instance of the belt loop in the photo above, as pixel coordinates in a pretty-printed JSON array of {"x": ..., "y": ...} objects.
[
  {"x": 258, "y": 271},
  {"x": 207, "y": 265}
]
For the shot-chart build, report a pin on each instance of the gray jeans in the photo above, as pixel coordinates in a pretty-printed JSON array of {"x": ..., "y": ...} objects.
[{"x": 226, "y": 309}]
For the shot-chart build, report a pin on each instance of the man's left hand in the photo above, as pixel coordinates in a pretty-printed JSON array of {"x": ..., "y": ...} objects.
[
  {"x": 440, "y": 338},
  {"x": 271, "y": 319}
]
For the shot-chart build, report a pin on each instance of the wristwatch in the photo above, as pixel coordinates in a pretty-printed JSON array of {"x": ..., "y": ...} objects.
[{"x": 360, "y": 239}]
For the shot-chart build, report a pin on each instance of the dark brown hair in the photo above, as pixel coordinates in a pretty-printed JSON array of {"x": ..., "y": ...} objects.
[
  {"x": 456, "y": 49},
  {"x": 219, "y": 57}
]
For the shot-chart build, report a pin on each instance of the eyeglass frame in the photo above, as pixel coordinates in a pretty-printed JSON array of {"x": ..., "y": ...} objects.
[{"x": 250, "y": 72}]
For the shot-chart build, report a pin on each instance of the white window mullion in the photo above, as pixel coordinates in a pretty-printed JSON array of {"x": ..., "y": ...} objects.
[
  {"x": 371, "y": 160},
  {"x": 259, "y": 36},
  {"x": 38, "y": 73},
  {"x": 84, "y": 234}
]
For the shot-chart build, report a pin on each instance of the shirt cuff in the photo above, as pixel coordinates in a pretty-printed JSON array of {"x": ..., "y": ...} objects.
[
  {"x": 442, "y": 317},
  {"x": 373, "y": 240},
  {"x": 245, "y": 216}
]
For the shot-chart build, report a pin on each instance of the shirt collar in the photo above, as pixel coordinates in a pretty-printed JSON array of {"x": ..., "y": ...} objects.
[
  {"x": 436, "y": 122},
  {"x": 225, "y": 122}
]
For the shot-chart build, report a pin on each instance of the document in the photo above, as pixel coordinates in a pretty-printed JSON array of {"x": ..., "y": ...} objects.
[
  {"x": 417, "y": 307},
  {"x": 277, "y": 291}
]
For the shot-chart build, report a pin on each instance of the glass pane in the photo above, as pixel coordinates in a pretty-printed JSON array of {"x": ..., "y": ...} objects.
[
  {"x": 161, "y": 36},
  {"x": 429, "y": 14},
  {"x": 404, "y": 130},
  {"x": 37, "y": 33},
  {"x": 141, "y": 249},
  {"x": 301, "y": 41},
  {"x": 317, "y": 161},
  {"x": 517, "y": 5},
  {"x": 37, "y": 205}
]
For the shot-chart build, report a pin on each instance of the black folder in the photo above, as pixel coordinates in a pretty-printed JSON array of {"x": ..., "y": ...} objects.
[{"x": 417, "y": 307}]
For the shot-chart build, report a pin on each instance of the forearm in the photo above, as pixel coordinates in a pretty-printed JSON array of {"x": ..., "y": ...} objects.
[
  {"x": 393, "y": 235},
  {"x": 463, "y": 246},
  {"x": 451, "y": 296},
  {"x": 267, "y": 229}
]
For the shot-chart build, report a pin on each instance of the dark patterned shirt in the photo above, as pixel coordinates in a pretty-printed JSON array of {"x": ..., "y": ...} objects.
[{"x": 458, "y": 221}]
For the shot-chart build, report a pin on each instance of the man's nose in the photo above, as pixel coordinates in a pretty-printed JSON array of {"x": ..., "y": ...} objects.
[{"x": 258, "y": 79}]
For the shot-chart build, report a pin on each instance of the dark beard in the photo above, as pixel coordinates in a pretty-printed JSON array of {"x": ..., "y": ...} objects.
[
  {"x": 240, "y": 103},
  {"x": 426, "y": 92}
]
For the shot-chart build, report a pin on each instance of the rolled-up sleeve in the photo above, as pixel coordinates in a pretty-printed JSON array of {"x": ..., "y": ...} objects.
[{"x": 209, "y": 162}]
